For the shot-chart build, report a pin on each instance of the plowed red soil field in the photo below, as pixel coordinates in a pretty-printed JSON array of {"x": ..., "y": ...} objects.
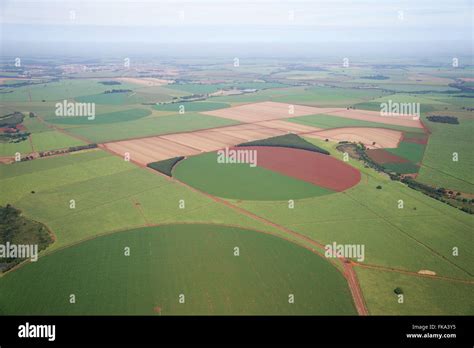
[{"x": 316, "y": 168}]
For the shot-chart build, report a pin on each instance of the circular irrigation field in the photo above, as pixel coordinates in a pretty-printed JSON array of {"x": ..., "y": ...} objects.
[
  {"x": 167, "y": 261},
  {"x": 280, "y": 174}
]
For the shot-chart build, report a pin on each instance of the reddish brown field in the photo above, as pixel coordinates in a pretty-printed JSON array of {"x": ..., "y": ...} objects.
[
  {"x": 422, "y": 141},
  {"x": 382, "y": 156},
  {"x": 316, "y": 168}
]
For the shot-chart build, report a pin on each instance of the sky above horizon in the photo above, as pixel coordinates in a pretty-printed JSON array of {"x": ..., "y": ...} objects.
[{"x": 236, "y": 21}]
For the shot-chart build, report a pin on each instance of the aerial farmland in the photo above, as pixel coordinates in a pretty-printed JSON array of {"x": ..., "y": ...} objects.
[{"x": 236, "y": 185}]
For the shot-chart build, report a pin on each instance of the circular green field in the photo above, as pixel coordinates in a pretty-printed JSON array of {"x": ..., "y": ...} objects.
[
  {"x": 196, "y": 261},
  {"x": 240, "y": 181}
]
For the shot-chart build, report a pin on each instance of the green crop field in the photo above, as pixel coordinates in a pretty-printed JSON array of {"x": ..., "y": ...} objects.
[
  {"x": 9, "y": 149},
  {"x": 402, "y": 168},
  {"x": 150, "y": 126},
  {"x": 193, "y": 88},
  {"x": 42, "y": 138},
  {"x": 111, "y": 117},
  {"x": 55, "y": 91},
  {"x": 438, "y": 166},
  {"x": 410, "y": 151},
  {"x": 421, "y": 296},
  {"x": 113, "y": 98},
  {"x": 240, "y": 181},
  {"x": 182, "y": 227},
  {"x": 269, "y": 268},
  {"x": 191, "y": 106},
  {"x": 53, "y": 140},
  {"x": 109, "y": 194}
]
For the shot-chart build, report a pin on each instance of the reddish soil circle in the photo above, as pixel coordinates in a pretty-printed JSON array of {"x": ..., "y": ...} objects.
[{"x": 313, "y": 167}]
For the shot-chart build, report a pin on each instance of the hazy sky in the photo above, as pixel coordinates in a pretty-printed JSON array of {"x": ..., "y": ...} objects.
[{"x": 236, "y": 21}]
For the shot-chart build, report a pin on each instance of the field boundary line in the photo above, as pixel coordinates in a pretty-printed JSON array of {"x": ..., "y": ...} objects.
[
  {"x": 433, "y": 251},
  {"x": 411, "y": 273}
]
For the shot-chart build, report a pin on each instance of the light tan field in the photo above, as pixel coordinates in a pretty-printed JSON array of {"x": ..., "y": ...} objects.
[
  {"x": 374, "y": 116},
  {"x": 145, "y": 81},
  {"x": 290, "y": 127},
  {"x": 264, "y": 111},
  {"x": 146, "y": 150},
  {"x": 228, "y": 140},
  {"x": 428, "y": 79},
  {"x": 151, "y": 149},
  {"x": 6, "y": 79},
  {"x": 383, "y": 138},
  {"x": 249, "y": 132},
  {"x": 271, "y": 111},
  {"x": 196, "y": 141}
]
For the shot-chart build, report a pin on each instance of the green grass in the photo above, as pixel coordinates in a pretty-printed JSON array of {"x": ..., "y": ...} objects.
[
  {"x": 314, "y": 96},
  {"x": 53, "y": 140},
  {"x": 326, "y": 96},
  {"x": 438, "y": 167},
  {"x": 191, "y": 106},
  {"x": 42, "y": 141},
  {"x": 55, "y": 91},
  {"x": 9, "y": 149},
  {"x": 422, "y": 296},
  {"x": 166, "y": 261},
  {"x": 330, "y": 121},
  {"x": 109, "y": 194},
  {"x": 33, "y": 125},
  {"x": 165, "y": 166},
  {"x": 112, "y": 98},
  {"x": 150, "y": 126},
  {"x": 426, "y": 104},
  {"x": 240, "y": 181},
  {"x": 194, "y": 88},
  {"x": 410, "y": 151},
  {"x": 110, "y": 117}
]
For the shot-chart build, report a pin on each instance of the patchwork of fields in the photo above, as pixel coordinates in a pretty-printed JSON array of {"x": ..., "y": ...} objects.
[{"x": 182, "y": 230}]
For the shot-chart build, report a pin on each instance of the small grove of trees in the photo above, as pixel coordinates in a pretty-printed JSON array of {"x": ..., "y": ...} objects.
[
  {"x": 69, "y": 149},
  {"x": 443, "y": 119},
  {"x": 118, "y": 91}
]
